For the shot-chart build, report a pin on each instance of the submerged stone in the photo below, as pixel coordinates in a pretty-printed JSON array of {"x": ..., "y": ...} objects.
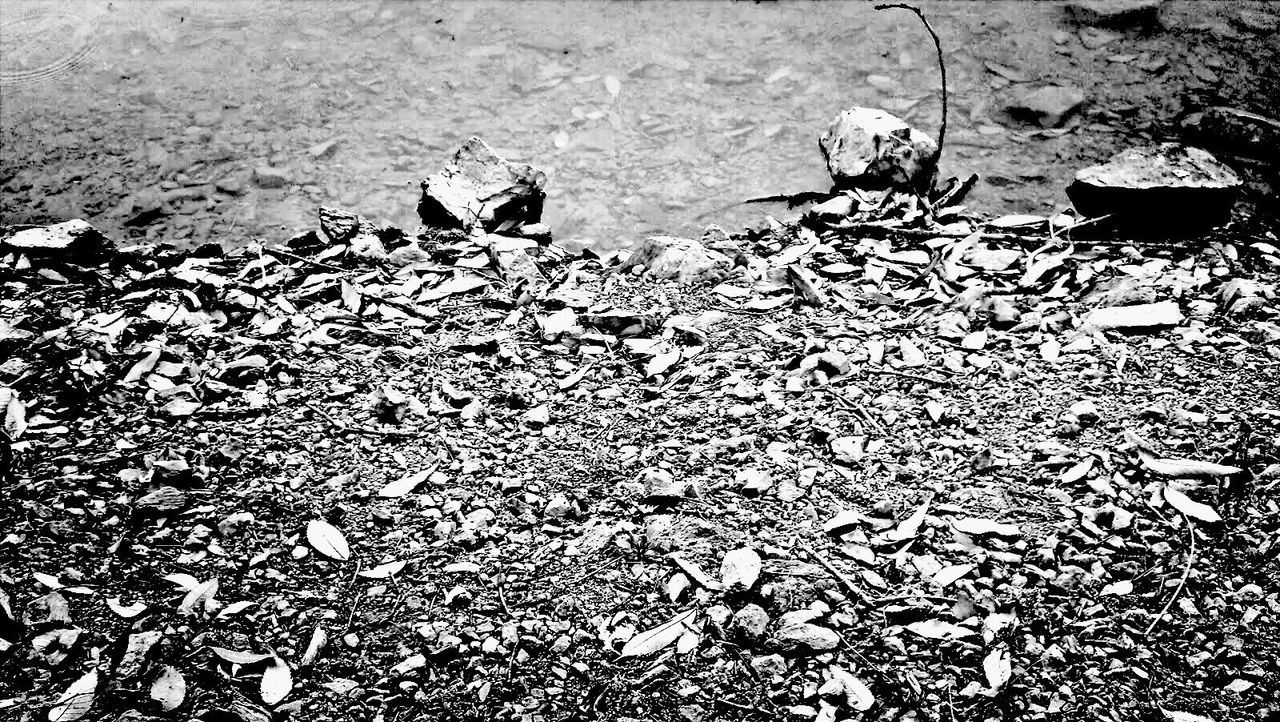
[
  {"x": 1047, "y": 107},
  {"x": 869, "y": 147},
  {"x": 1115, "y": 13},
  {"x": 1168, "y": 186},
  {"x": 1237, "y": 130}
]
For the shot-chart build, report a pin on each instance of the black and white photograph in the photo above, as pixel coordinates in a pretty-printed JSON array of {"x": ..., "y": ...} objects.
[{"x": 639, "y": 361}]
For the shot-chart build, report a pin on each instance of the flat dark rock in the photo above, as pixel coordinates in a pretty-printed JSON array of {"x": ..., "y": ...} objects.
[{"x": 1169, "y": 186}]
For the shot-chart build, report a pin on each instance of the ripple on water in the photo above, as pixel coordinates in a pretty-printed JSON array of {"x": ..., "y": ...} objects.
[{"x": 42, "y": 45}]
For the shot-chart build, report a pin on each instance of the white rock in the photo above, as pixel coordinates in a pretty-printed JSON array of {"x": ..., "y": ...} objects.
[
  {"x": 867, "y": 146},
  {"x": 682, "y": 259},
  {"x": 59, "y": 238},
  {"x": 480, "y": 188},
  {"x": 1146, "y": 315}
]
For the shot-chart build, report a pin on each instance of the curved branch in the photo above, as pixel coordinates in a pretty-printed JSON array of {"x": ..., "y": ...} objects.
[{"x": 942, "y": 69}]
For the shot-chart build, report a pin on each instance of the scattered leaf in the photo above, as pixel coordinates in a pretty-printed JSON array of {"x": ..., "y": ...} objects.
[
  {"x": 326, "y": 539},
  {"x": 1193, "y": 509},
  {"x": 661, "y": 636},
  {"x": 169, "y": 688},
  {"x": 75, "y": 702}
]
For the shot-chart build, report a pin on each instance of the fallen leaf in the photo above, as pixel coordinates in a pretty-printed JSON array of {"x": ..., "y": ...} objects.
[
  {"x": 277, "y": 682},
  {"x": 128, "y": 612},
  {"x": 1193, "y": 509},
  {"x": 659, "y": 637},
  {"x": 75, "y": 702},
  {"x": 326, "y": 539},
  {"x": 404, "y": 485},
  {"x": 856, "y": 693},
  {"x": 910, "y": 527},
  {"x": 382, "y": 571},
  {"x": 938, "y": 629},
  {"x": 1184, "y": 468},
  {"x": 237, "y": 657},
  {"x": 977, "y": 526}
]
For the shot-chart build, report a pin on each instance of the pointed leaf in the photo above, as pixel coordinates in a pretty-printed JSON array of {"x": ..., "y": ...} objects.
[
  {"x": 326, "y": 539},
  {"x": 76, "y": 701},
  {"x": 1193, "y": 509},
  {"x": 277, "y": 682},
  {"x": 659, "y": 637},
  {"x": 235, "y": 656},
  {"x": 382, "y": 571},
  {"x": 1184, "y": 468}
]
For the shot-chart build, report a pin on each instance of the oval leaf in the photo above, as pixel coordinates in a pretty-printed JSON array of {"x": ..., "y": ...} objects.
[
  {"x": 1193, "y": 509},
  {"x": 326, "y": 539},
  {"x": 382, "y": 571},
  {"x": 169, "y": 689},
  {"x": 237, "y": 657},
  {"x": 998, "y": 668},
  {"x": 76, "y": 701},
  {"x": 277, "y": 682},
  {"x": 1184, "y": 468},
  {"x": 661, "y": 636}
]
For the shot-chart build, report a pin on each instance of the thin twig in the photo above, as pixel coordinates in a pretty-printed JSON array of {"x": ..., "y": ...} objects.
[
  {"x": 1186, "y": 572},
  {"x": 942, "y": 69},
  {"x": 839, "y": 575},
  {"x": 302, "y": 259}
]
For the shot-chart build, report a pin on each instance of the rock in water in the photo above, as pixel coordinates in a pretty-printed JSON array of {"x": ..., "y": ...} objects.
[
  {"x": 480, "y": 188},
  {"x": 71, "y": 238},
  {"x": 1238, "y": 130},
  {"x": 683, "y": 259},
  {"x": 869, "y": 147},
  {"x": 1115, "y": 13},
  {"x": 1169, "y": 186},
  {"x": 1047, "y": 106}
]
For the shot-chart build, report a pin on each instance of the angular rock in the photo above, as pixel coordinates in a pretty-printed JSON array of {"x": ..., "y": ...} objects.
[
  {"x": 683, "y": 259},
  {"x": 1047, "y": 107},
  {"x": 1147, "y": 315},
  {"x": 480, "y": 188},
  {"x": 71, "y": 238},
  {"x": 796, "y": 632},
  {"x": 265, "y": 176},
  {"x": 1115, "y": 13},
  {"x": 751, "y": 621},
  {"x": 1169, "y": 186},
  {"x": 339, "y": 225},
  {"x": 1236, "y": 130},
  {"x": 869, "y": 147}
]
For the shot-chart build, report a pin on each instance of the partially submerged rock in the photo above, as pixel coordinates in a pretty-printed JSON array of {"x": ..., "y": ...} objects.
[
  {"x": 1236, "y": 130},
  {"x": 1166, "y": 186},
  {"x": 682, "y": 259},
  {"x": 869, "y": 147},
  {"x": 1115, "y": 13},
  {"x": 1047, "y": 107},
  {"x": 480, "y": 188},
  {"x": 69, "y": 238}
]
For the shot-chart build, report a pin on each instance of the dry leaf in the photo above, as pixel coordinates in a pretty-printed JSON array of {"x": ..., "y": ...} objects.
[
  {"x": 402, "y": 486},
  {"x": 169, "y": 689},
  {"x": 277, "y": 682},
  {"x": 326, "y": 539},
  {"x": 382, "y": 571},
  {"x": 76, "y": 701},
  {"x": 910, "y": 527},
  {"x": 661, "y": 636},
  {"x": 1184, "y": 468},
  {"x": 938, "y": 629},
  {"x": 237, "y": 657},
  {"x": 1193, "y": 509},
  {"x": 856, "y": 693},
  {"x": 977, "y": 526}
]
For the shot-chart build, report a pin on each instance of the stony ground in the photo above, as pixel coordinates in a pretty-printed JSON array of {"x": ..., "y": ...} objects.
[{"x": 883, "y": 469}]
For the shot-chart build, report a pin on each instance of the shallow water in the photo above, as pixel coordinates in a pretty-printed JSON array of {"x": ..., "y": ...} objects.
[{"x": 149, "y": 117}]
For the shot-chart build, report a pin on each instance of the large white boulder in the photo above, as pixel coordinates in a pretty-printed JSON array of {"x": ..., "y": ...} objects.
[
  {"x": 683, "y": 259},
  {"x": 869, "y": 147}
]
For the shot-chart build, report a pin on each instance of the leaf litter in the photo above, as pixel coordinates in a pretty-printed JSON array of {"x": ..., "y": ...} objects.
[{"x": 901, "y": 441}]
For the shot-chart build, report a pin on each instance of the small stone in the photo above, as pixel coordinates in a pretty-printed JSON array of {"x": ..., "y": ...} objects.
[
  {"x": 1085, "y": 410},
  {"x": 265, "y": 176},
  {"x": 339, "y": 225},
  {"x": 1047, "y": 107},
  {"x": 682, "y": 259},
  {"x": 1169, "y": 186},
  {"x": 869, "y": 147},
  {"x": 771, "y": 667},
  {"x": 740, "y": 569},
  {"x": 1115, "y": 13},
  {"x": 751, "y": 621},
  {"x": 801, "y": 636},
  {"x": 839, "y": 207},
  {"x": 560, "y": 507}
]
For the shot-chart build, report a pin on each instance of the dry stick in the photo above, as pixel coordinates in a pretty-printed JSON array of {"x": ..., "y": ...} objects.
[
  {"x": 942, "y": 69},
  {"x": 1186, "y": 572},
  {"x": 302, "y": 259},
  {"x": 839, "y": 575}
]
